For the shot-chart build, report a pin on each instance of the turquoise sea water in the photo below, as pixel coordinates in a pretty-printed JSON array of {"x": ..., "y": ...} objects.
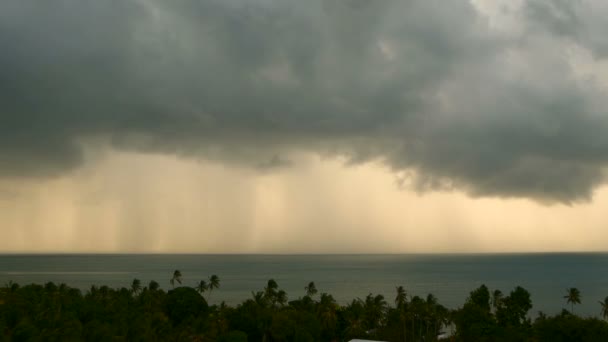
[{"x": 449, "y": 277}]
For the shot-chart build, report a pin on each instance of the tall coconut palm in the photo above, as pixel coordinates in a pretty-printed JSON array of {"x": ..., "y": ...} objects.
[
  {"x": 430, "y": 313},
  {"x": 401, "y": 297},
  {"x": 214, "y": 283},
  {"x": 400, "y": 302},
  {"x": 572, "y": 297},
  {"x": 177, "y": 277},
  {"x": 604, "y": 305},
  {"x": 311, "y": 289},
  {"x": 416, "y": 308}
]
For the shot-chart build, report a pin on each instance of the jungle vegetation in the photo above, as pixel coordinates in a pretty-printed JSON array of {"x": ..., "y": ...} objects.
[{"x": 145, "y": 312}]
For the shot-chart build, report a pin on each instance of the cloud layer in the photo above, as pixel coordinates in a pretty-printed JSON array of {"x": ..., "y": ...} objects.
[{"x": 507, "y": 100}]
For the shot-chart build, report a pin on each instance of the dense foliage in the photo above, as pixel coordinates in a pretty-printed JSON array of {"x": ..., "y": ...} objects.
[{"x": 148, "y": 313}]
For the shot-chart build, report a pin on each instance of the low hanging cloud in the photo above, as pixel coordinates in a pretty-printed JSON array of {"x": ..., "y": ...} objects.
[{"x": 428, "y": 86}]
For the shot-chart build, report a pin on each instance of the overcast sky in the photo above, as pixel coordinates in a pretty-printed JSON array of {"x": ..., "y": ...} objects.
[{"x": 318, "y": 126}]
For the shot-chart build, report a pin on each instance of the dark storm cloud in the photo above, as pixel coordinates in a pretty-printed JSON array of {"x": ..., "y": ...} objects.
[
  {"x": 582, "y": 21},
  {"x": 422, "y": 85}
]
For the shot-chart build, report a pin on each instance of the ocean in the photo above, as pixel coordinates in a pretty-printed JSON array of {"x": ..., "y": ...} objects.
[{"x": 450, "y": 277}]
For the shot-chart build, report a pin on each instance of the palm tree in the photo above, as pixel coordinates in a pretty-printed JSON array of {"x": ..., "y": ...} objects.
[
  {"x": 354, "y": 314},
  {"x": 270, "y": 291},
  {"x": 573, "y": 297},
  {"x": 136, "y": 286},
  {"x": 202, "y": 287},
  {"x": 327, "y": 311},
  {"x": 177, "y": 277},
  {"x": 281, "y": 297},
  {"x": 375, "y": 308},
  {"x": 259, "y": 298},
  {"x": 214, "y": 283},
  {"x": 400, "y": 302},
  {"x": 604, "y": 305},
  {"x": 311, "y": 289},
  {"x": 416, "y": 308},
  {"x": 401, "y": 297},
  {"x": 153, "y": 286},
  {"x": 430, "y": 311}
]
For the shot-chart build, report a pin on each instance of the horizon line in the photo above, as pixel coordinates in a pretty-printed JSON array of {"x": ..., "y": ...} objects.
[{"x": 34, "y": 253}]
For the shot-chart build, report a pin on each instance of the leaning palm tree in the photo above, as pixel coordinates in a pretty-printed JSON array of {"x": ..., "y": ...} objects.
[
  {"x": 572, "y": 297},
  {"x": 214, "y": 283},
  {"x": 177, "y": 277},
  {"x": 202, "y": 287},
  {"x": 604, "y": 305}
]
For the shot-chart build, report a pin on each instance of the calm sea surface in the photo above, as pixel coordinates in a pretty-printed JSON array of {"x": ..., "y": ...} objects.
[{"x": 449, "y": 277}]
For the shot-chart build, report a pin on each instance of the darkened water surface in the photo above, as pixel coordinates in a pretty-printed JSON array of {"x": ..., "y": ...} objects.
[{"x": 449, "y": 277}]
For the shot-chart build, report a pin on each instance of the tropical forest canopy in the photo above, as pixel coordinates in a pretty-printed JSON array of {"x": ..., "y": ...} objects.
[{"x": 141, "y": 312}]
